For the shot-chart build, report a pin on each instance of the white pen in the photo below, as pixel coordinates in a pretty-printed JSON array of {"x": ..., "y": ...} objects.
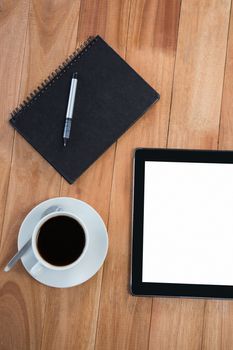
[{"x": 70, "y": 108}]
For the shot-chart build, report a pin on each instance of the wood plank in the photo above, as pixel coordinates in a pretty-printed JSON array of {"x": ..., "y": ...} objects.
[
  {"x": 51, "y": 37},
  {"x": 124, "y": 320},
  {"x": 227, "y": 324},
  {"x": 199, "y": 74},
  {"x": 219, "y": 323},
  {"x": 179, "y": 329},
  {"x": 77, "y": 308},
  {"x": 226, "y": 125},
  {"x": 166, "y": 315},
  {"x": 194, "y": 122},
  {"x": 212, "y": 325},
  {"x": 13, "y": 27}
]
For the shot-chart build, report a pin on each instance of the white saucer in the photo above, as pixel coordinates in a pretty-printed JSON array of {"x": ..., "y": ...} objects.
[{"x": 94, "y": 256}]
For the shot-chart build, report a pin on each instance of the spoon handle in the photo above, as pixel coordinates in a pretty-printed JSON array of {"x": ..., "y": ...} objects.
[{"x": 17, "y": 256}]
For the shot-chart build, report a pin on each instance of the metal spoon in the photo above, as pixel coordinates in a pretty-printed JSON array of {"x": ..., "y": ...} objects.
[{"x": 25, "y": 247}]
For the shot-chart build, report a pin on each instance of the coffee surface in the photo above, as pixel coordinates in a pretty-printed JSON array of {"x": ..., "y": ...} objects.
[{"x": 61, "y": 240}]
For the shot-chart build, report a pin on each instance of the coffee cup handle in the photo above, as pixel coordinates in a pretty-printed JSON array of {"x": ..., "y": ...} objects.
[{"x": 36, "y": 269}]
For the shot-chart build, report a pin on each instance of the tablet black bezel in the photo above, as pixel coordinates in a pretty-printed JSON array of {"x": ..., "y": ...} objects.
[{"x": 167, "y": 289}]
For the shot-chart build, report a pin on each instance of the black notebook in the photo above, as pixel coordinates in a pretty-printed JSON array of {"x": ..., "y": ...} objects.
[{"x": 110, "y": 97}]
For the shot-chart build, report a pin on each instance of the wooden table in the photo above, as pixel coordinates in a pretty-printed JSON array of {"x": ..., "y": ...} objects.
[{"x": 185, "y": 50}]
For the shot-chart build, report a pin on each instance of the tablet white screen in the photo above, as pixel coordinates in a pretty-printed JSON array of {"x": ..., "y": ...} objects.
[{"x": 188, "y": 223}]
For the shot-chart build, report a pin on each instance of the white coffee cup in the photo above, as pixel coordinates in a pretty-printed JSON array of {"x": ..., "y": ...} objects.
[{"x": 41, "y": 262}]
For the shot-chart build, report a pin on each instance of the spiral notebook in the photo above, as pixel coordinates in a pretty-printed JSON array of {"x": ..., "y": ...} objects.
[{"x": 110, "y": 97}]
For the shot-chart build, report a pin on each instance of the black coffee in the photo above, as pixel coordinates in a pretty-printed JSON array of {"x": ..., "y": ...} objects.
[{"x": 61, "y": 240}]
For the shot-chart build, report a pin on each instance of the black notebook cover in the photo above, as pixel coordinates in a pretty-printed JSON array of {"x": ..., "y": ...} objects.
[{"x": 110, "y": 97}]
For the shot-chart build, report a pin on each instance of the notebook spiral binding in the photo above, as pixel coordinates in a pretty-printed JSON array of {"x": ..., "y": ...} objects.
[{"x": 52, "y": 76}]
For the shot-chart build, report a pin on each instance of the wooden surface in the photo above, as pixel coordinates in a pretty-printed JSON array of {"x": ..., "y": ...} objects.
[{"x": 184, "y": 48}]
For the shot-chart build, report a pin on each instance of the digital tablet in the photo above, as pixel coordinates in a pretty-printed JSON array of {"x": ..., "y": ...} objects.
[{"x": 182, "y": 223}]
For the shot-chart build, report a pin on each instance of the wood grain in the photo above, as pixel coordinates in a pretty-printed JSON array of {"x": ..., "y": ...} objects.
[
  {"x": 212, "y": 325},
  {"x": 180, "y": 48},
  {"x": 226, "y": 125},
  {"x": 219, "y": 320},
  {"x": 77, "y": 309},
  {"x": 51, "y": 36},
  {"x": 166, "y": 315},
  {"x": 124, "y": 320},
  {"x": 194, "y": 123},
  {"x": 199, "y": 71},
  {"x": 227, "y": 323},
  {"x": 13, "y": 23}
]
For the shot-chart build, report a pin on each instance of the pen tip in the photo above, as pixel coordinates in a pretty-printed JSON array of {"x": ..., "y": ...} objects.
[
  {"x": 75, "y": 75},
  {"x": 6, "y": 269},
  {"x": 65, "y": 143}
]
